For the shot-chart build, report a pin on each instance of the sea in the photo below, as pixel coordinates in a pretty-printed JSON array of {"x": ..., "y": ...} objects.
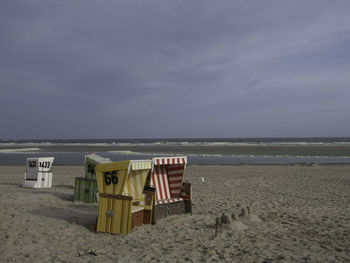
[{"x": 330, "y": 150}]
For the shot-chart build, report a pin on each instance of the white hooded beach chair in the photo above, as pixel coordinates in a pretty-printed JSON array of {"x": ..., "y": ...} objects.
[{"x": 38, "y": 172}]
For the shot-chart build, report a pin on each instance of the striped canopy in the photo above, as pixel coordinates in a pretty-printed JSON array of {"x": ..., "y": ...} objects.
[
  {"x": 169, "y": 160},
  {"x": 135, "y": 181},
  {"x": 140, "y": 165},
  {"x": 167, "y": 178}
]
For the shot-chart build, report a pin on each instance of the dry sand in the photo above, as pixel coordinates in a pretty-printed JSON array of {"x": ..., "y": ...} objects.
[{"x": 304, "y": 212}]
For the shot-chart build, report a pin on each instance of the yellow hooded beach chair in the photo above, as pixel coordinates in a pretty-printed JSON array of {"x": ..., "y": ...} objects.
[{"x": 123, "y": 203}]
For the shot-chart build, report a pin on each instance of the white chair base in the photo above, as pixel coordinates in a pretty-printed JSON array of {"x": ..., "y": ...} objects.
[{"x": 44, "y": 181}]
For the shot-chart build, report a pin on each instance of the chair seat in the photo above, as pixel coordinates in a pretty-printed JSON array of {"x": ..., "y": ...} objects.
[
  {"x": 168, "y": 201},
  {"x": 136, "y": 208}
]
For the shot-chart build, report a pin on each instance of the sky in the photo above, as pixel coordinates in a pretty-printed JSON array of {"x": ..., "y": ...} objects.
[{"x": 174, "y": 69}]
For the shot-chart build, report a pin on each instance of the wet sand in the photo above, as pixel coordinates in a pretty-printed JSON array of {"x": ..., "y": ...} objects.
[{"x": 304, "y": 213}]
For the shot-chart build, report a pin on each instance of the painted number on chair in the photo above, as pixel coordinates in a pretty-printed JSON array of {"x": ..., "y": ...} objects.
[
  {"x": 91, "y": 169},
  {"x": 44, "y": 164},
  {"x": 32, "y": 164},
  {"x": 111, "y": 177}
]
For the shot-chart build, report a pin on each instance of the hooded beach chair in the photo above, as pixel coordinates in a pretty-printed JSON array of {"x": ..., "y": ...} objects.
[
  {"x": 85, "y": 188},
  {"x": 171, "y": 191},
  {"x": 38, "y": 172},
  {"x": 91, "y": 161},
  {"x": 123, "y": 203},
  {"x": 137, "y": 185}
]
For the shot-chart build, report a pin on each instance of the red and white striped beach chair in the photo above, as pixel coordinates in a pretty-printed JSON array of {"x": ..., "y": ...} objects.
[{"x": 168, "y": 180}]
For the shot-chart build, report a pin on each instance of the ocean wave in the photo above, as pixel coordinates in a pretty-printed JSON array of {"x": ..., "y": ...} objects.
[
  {"x": 226, "y": 155},
  {"x": 208, "y": 143},
  {"x": 126, "y": 153},
  {"x": 21, "y": 150},
  {"x": 145, "y": 153}
]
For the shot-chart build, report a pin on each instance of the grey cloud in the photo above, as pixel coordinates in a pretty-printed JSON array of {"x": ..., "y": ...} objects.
[{"x": 192, "y": 65}]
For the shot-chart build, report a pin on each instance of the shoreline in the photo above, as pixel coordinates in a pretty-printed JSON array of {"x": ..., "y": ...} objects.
[
  {"x": 213, "y": 164},
  {"x": 295, "y": 150}
]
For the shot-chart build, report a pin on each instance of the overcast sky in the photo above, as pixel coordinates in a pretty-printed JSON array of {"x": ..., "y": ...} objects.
[{"x": 167, "y": 68}]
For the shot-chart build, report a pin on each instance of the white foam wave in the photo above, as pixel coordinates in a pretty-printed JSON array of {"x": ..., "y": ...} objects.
[
  {"x": 144, "y": 153},
  {"x": 176, "y": 143},
  {"x": 21, "y": 150},
  {"x": 227, "y": 155},
  {"x": 127, "y": 153}
]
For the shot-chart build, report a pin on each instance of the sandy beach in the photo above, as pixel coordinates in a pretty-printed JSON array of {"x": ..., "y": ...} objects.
[{"x": 303, "y": 210}]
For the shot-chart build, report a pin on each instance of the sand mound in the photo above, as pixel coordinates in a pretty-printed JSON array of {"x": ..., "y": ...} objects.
[
  {"x": 235, "y": 222},
  {"x": 247, "y": 215},
  {"x": 228, "y": 223}
]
